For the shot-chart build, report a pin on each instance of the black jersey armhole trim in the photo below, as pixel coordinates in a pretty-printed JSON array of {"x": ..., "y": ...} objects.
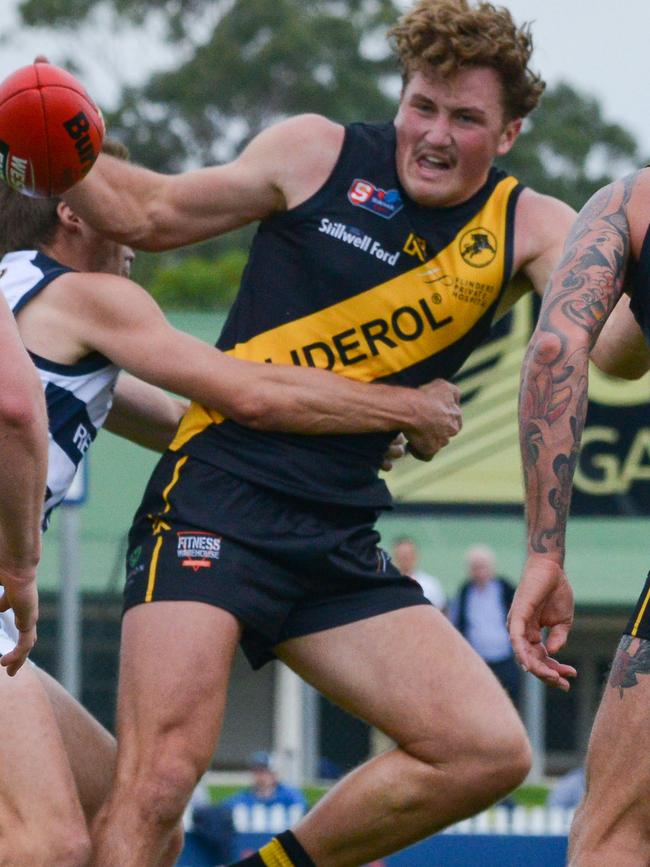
[
  {"x": 323, "y": 193},
  {"x": 37, "y": 289},
  {"x": 510, "y": 233},
  {"x": 641, "y": 272},
  {"x": 90, "y": 363},
  {"x": 638, "y": 281}
]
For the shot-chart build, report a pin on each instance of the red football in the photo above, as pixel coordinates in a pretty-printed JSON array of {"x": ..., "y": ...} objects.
[{"x": 51, "y": 131}]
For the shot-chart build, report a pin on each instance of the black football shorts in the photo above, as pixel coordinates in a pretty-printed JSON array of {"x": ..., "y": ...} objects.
[
  {"x": 639, "y": 623},
  {"x": 284, "y": 567}
]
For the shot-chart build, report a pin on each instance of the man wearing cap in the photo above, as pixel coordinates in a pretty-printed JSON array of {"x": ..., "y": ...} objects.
[
  {"x": 267, "y": 789},
  {"x": 216, "y": 823}
]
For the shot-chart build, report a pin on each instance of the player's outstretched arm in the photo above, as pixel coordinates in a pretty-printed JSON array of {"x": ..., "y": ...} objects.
[
  {"x": 151, "y": 211},
  {"x": 119, "y": 319},
  {"x": 23, "y": 438},
  {"x": 149, "y": 417},
  {"x": 553, "y": 402}
]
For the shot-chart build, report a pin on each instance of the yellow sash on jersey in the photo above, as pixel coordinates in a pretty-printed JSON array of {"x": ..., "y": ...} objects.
[{"x": 390, "y": 327}]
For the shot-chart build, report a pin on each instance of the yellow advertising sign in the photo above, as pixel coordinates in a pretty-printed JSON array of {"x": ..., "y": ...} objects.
[{"x": 482, "y": 465}]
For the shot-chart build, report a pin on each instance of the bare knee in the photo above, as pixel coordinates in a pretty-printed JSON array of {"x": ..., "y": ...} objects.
[
  {"x": 174, "y": 848},
  {"x": 485, "y": 763},
  {"x": 505, "y": 762},
  {"x": 160, "y": 791}
]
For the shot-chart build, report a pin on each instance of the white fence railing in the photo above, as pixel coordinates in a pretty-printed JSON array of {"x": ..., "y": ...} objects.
[
  {"x": 526, "y": 821},
  {"x": 523, "y": 821},
  {"x": 260, "y": 819}
]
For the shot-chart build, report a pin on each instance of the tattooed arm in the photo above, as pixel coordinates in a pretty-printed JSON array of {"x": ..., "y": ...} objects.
[{"x": 553, "y": 401}]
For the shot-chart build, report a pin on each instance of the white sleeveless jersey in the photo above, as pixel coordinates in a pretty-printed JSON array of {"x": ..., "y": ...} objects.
[{"x": 78, "y": 396}]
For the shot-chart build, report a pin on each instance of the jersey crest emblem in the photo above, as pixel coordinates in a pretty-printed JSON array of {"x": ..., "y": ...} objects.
[
  {"x": 384, "y": 203},
  {"x": 478, "y": 247}
]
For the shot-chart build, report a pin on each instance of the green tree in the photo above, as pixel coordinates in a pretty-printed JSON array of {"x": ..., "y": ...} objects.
[
  {"x": 198, "y": 283},
  {"x": 568, "y": 149},
  {"x": 258, "y": 61},
  {"x": 243, "y": 64}
]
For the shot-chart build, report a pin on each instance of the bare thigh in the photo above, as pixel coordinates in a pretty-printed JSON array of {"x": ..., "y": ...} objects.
[
  {"x": 413, "y": 676},
  {"x": 174, "y": 669},
  {"x": 460, "y": 744},
  {"x": 38, "y": 790},
  {"x": 613, "y": 823},
  {"x": 89, "y": 747}
]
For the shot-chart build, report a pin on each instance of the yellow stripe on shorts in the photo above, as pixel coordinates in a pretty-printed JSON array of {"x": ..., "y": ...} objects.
[
  {"x": 159, "y": 527},
  {"x": 274, "y": 855},
  {"x": 152, "y": 569},
  {"x": 637, "y": 622}
]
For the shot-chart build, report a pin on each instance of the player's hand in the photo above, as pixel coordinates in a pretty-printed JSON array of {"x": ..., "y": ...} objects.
[
  {"x": 441, "y": 419},
  {"x": 21, "y": 596},
  {"x": 395, "y": 451},
  {"x": 543, "y": 600}
]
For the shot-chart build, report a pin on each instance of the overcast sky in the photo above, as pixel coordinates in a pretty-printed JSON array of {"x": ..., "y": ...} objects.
[{"x": 599, "y": 46}]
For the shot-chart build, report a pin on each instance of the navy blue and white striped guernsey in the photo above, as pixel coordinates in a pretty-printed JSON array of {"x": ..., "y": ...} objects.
[{"x": 78, "y": 396}]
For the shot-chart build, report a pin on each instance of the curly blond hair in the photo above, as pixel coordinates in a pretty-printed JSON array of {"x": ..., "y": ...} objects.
[{"x": 444, "y": 36}]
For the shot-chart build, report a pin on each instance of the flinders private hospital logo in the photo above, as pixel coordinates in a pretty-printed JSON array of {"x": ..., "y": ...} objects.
[{"x": 354, "y": 237}]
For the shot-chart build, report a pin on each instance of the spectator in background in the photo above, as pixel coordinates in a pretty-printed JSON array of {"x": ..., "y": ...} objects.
[
  {"x": 479, "y": 612},
  {"x": 266, "y": 789},
  {"x": 406, "y": 557},
  {"x": 216, "y": 824},
  {"x": 569, "y": 790}
]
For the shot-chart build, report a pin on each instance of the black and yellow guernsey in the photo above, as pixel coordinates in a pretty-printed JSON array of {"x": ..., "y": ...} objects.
[{"x": 363, "y": 281}]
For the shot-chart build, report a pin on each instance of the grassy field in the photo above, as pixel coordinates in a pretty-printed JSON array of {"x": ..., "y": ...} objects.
[{"x": 525, "y": 796}]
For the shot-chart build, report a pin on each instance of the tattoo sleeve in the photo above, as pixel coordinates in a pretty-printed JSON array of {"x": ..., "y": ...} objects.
[
  {"x": 581, "y": 294},
  {"x": 632, "y": 659}
]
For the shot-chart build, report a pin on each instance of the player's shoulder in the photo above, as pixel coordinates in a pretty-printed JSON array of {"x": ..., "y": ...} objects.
[
  {"x": 90, "y": 282},
  {"x": 94, "y": 293},
  {"x": 542, "y": 223},
  {"x": 295, "y": 155},
  {"x": 537, "y": 210},
  {"x": 300, "y": 135},
  {"x": 637, "y": 191},
  {"x": 309, "y": 125}
]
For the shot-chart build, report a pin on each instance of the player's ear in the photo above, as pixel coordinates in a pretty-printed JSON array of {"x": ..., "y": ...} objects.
[
  {"x": 67, "y": 217},
  {"x": 509, "y": 136}
]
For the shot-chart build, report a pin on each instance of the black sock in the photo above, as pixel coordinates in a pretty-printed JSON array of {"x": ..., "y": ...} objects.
[{"x": 283, "y": 851}]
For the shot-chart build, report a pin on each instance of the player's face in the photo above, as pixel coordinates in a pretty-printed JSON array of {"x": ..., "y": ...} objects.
[
  {"x": 449, "y": 130},
  {"x": 108, "y": 257}
]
